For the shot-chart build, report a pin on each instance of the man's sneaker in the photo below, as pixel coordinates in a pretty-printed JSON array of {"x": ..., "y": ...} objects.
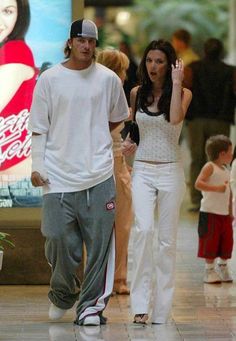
[
  {"x": 56, "y": 313},
  {"x": 92, "y": 320},
  {"x": 211, "y": 276},
  {"x": 224, "y": 273}
]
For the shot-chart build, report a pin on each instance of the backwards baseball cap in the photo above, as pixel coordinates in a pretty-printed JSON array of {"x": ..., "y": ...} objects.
[{"x": 84, "y": 28}]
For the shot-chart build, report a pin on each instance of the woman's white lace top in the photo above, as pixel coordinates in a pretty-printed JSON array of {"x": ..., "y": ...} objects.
[{"x": 159, "y": 139}]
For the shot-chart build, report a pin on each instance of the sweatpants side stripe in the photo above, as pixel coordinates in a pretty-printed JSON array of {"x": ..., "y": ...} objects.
[{"x": 108, "y": 284}]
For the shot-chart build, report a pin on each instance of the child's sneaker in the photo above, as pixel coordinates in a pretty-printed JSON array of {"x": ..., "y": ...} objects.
[
  {"x": 224, "y": 273},
  {"x": 211, "y": 277}
]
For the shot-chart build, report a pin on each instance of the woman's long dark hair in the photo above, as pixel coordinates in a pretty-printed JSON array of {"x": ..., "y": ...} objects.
[
  {"x": 22, "y": 21},
  {"x": 145, "y": 90}
]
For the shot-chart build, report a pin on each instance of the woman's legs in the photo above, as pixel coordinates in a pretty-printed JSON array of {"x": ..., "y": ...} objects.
[
  {"x": 123, "y": 222},
  {"x": 144, "y": 201},
  {"x": 171, "y": 189}
]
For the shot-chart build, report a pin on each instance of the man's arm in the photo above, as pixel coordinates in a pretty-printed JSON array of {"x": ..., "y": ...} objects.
[
  {"x": 234, "y": 81},
  {"x": 114, "y": 125},
  {"x": 39, "y": 175},
  {"x": 188, "y": 78}
]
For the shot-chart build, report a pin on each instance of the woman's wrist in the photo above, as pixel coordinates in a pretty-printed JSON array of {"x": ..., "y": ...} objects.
[{"x": 176, "y": 82}]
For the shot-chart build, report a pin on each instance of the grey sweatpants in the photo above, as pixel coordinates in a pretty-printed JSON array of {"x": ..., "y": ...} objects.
[{"x": 69, "y": 219}]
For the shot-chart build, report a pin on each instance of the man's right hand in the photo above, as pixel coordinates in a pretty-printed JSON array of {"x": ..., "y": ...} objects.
[{"x": 37, "y": 180}]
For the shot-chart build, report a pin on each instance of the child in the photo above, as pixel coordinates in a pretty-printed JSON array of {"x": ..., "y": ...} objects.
[
  {"x": 215, "y": 221},
  {"x": 233, "y": 186}
]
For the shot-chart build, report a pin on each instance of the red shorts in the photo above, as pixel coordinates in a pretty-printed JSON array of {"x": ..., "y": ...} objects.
[{"x": 215, "y": 235}]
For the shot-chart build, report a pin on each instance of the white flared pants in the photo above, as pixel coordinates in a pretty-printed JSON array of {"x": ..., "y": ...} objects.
[{"x": 160, "y": 186}]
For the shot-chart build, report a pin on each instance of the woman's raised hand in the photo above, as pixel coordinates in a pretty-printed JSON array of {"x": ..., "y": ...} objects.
[{"x": 178, "y": 72}]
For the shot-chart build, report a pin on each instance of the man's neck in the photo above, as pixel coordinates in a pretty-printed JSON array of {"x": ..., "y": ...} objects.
[{"x": 77, "y": 65}]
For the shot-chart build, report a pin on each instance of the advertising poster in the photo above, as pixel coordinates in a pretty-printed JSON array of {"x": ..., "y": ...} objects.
[{"x": 32, "y": 38}]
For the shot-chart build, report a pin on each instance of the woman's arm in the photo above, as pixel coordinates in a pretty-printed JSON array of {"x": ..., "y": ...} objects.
[
  {"x": 133, "y": 95},
  {"x": 11, "y": 78},
  {"x": 180, "y": 98},
  {"x": 128, "y": 146}
]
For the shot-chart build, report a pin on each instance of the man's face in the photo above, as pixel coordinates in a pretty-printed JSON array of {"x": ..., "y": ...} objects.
[
  {"x": 83, "y": 49},
  {"x": 178, "y": 45}
]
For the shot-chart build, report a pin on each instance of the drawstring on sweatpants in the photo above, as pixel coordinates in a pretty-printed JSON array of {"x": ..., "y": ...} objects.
[
  {"x": 88, "y": 198},
  {"x": 61, "y": 200}
]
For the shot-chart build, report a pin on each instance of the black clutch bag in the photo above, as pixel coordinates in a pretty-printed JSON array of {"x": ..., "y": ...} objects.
[
  {"x": 131, "y": 127},
  {"x": 134, "y": 132}
]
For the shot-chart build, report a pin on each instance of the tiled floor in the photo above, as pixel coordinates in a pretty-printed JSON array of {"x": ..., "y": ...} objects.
[{"x": 200, "y": 311}]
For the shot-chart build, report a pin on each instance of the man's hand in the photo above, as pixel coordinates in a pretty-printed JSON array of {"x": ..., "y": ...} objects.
[{"x": 37, "y": 180}]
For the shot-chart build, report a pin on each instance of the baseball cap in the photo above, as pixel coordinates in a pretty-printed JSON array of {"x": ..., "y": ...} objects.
[{"x": 84, "y": 28}]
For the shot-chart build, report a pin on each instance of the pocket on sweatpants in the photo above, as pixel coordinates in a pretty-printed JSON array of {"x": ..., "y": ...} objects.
[{"x": 202, "y": 224}]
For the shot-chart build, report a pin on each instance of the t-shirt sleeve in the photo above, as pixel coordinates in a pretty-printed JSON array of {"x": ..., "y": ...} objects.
[
  {"x": 39, "y": 120},
  {"x": 120, "y": 109},
  {"x": 16, "y": 51}
]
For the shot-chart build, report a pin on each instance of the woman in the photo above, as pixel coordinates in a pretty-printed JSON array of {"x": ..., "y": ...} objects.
[
  {"x": 118, "y": 62},
  {"x": 158, "y": 179},
  {"x": 17, "y": 81}
]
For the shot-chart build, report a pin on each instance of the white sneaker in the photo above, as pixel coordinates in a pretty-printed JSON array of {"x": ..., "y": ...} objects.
[
  {"x": 56, "y": 313},
  {"x": 92, "y": 320},
  {"x": 224, "y": 273},
  {"x": 211, "y": 276}
]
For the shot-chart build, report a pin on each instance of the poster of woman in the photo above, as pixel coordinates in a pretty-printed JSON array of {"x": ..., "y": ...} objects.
[{"x": 32, "y": 39}]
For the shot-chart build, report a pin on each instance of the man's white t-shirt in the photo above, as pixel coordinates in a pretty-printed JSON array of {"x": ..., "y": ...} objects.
[{"x": 73, "y": 108}]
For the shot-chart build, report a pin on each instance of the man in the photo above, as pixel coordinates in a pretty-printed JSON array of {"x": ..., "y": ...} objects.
[
  {"x": 181, "y": 41},
  {"x": 74, "y": 105},
  {"x": 131, "y": 79},
  {"x": 211, "y": 112}
]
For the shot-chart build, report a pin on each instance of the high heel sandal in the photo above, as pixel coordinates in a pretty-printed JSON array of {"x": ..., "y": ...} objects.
[{"x": 140, "y": 318}]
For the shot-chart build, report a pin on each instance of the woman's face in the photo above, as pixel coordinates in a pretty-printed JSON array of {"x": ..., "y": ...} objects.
[
  {"x": 156, "y": 64},
  {"x": 8, "y": 17}
]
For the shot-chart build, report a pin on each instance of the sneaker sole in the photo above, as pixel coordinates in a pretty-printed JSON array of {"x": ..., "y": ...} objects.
[
  {"x": 91, "y": 321},
  {"x": 216, "y": 282},
  {"x": 227, "y": 281}
]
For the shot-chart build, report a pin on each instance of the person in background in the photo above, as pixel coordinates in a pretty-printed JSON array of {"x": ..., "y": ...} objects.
[
  {"x": 233, "y": 186},
  {"x": 215, "y": 220},
  {"x": 76, "y": 104},
  {"x": 181, "y": 41},
  {"x": 118, "y": 62},
  {"x": 45, "y": 66},
  {"x": 131, "y": 74},
  {"x": 157, "y": 179},
  {"x": 213, "y": 84},
  {"x": 130, "y": 81}
]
